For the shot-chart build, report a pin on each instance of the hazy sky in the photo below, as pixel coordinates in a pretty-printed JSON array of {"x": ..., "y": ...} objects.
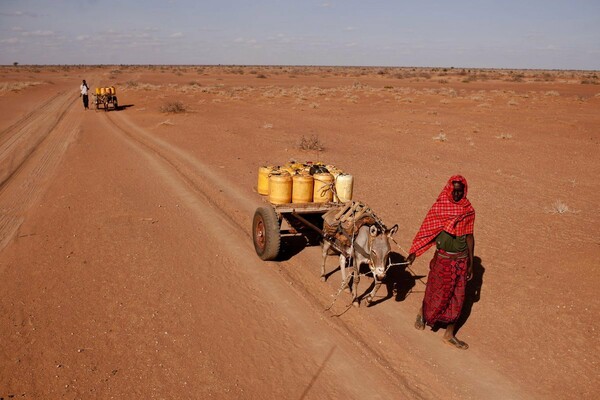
[{"x": 545, "y": 34}]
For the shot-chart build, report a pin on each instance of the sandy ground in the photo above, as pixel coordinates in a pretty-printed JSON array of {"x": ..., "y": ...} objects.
[{"x": 127, "y": 262}]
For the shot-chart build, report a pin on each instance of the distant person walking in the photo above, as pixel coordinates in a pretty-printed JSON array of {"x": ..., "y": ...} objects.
[
  {"x": 84, "y": 93},
  {"x": 449, "y": 225}
]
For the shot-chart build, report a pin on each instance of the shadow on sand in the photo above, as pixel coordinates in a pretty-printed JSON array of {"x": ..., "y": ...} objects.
[
  {"x": 123, "y": 107},
  {"x": 399, "y": 281},
  {"x": 303, "y": 236},
  {"x": 473, "y": 292}
]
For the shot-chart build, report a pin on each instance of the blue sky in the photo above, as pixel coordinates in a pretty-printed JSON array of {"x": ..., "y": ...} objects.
[{"x": 488, "y": 34}]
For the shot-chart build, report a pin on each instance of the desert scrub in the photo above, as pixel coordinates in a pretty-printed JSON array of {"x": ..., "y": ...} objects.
[
  {"x": 518, "y": 77},
  {"x": 173, "y": 107},
  {"x": 311, "y": 143},
  {"x": 558, "y": 207},
  {"x": 441, "y": 137},
  {"x": 16, "y": 86}
]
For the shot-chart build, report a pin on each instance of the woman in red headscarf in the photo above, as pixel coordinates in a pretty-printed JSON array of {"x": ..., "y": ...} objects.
[{"x": 449, "y": 225}]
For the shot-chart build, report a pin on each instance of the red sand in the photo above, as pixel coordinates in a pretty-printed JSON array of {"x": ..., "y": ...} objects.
[{"x": 128, "y": 268}]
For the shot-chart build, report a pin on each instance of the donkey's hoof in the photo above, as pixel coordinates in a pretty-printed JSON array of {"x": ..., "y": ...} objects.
[
  {"x": 369, "y": 300},
  {"x": 347, "y": 290},
  {"x": 356, "y": 303},
  {"x": 323, "y": 278}
]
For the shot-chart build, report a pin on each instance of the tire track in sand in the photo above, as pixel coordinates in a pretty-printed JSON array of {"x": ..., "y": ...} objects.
[
  {"x": 238, "y": 209},
  {"x": 30, "y": 151},
  {"x": 18, "y": 141},
  {"x": 187, "y": 177}
]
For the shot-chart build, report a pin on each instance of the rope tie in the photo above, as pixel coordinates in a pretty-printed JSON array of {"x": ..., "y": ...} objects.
[{"x": 407, "y": 264}]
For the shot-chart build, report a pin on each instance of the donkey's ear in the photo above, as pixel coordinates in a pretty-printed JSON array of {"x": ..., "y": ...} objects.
[
  {"x": 373, "y": 230},
  {"x": 393, "y": 231}
]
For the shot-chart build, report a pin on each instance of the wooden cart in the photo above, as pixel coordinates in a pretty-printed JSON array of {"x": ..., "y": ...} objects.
[
  {"x": 268, "y": 220},
  {"x": 106, "y": 101}
]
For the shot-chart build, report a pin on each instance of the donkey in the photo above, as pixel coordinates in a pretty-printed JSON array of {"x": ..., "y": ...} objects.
[{"x": 370, "y": 246}]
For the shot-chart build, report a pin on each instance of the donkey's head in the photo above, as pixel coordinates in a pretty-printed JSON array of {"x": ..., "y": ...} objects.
[{"x": 379, "y": 250}]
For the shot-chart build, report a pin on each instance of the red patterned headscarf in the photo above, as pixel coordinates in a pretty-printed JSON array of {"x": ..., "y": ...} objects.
[{"x": 456, "y": 218}]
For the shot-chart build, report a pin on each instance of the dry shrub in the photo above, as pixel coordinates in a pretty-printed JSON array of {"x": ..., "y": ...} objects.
[
  {"x": 545, "y": 77},
  {"x": 311, "y": 143},
  {"x": 173, "y": 107},
  {"x": 261, "y": 76},
  {"x": 518, "y": 77},
  {"x": 441, "y": 137},
  {"x": 141, "y": 86},
  {"x": 558, "y": 207}
]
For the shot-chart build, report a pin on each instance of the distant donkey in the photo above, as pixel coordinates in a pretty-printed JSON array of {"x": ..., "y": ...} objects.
[{"x": 370, "y": 246}]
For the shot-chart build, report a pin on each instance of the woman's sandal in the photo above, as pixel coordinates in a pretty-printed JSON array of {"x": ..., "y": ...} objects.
[
  {"x": 459, "y": 344},
  {"x": 420, "y": 322}
]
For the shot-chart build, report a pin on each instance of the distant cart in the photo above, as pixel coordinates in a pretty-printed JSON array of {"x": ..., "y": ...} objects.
[{"x": 106, "y": 98}]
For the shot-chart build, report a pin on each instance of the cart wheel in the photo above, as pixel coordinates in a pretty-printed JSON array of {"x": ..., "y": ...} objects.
[
  {"x": 115, "y": 103},
  {"x": 265, "y": 233}
]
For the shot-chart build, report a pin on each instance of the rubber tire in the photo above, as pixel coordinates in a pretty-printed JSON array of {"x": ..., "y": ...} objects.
[
  {"x": 265, "y": 233},
  {"x": 115, "y": 103}
]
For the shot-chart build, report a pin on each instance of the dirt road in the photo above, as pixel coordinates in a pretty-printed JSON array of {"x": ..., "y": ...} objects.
[{"x": 129, "y": 272}]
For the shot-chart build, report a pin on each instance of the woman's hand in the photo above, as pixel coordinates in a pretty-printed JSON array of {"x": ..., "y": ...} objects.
[{"x": 470, "y": 271}]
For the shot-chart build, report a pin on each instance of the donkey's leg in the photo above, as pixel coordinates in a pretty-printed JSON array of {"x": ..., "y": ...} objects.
[
  {"x": 371, "y": 295},
  {"x": 326, "y": 246},
  {"x": 355, "y": 280},
  {"x": 345, "y": 277}
]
